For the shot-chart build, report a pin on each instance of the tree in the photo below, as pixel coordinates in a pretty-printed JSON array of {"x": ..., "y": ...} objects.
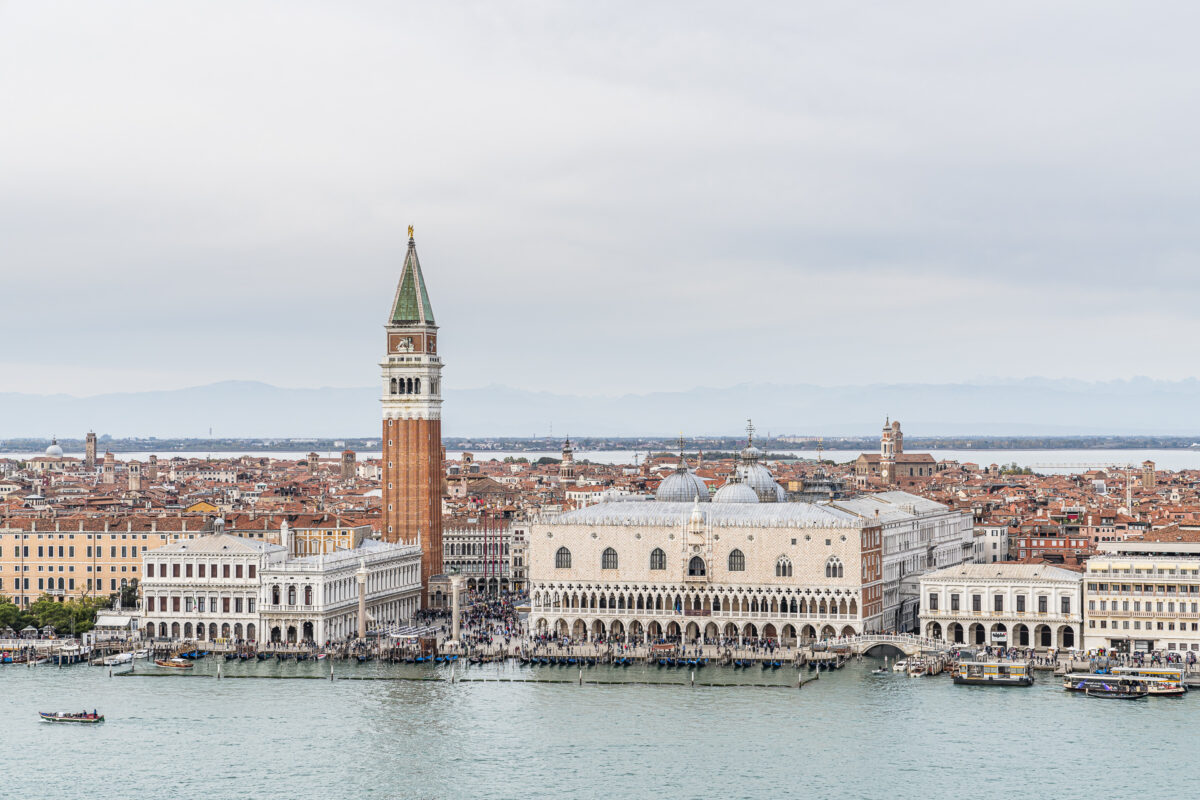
[
  {"x": 11, "y": 615},
  {"x": 128, "y": 594}
]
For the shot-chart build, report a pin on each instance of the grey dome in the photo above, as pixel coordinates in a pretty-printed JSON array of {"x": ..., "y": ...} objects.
[
  {"x": 681, "y": 486},
  {"x": 735, "y": 492},
  {"x": 54, "y": 451},
  {"x": 759, "y": 478}
]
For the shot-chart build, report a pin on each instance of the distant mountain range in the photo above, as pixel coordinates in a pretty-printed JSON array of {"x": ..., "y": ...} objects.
[{"x": 1034, "y": 406}]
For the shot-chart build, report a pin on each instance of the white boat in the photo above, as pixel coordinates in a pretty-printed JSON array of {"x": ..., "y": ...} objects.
[
  {"x": 900, "y": 666},
  {"x": 117, "y": 659},
  {"x": 917, "y": 668},
  {"x": 143, "y": 653}
]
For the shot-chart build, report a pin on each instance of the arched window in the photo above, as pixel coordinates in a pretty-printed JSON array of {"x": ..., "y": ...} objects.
[
  {"x": 658, "y": 559},
  {"x": 609, "y": 559},
  {"x": 737, "y": 561},
  {"x": 308, "y": 595},
  {"x": 783, "y": 567},
  {"x": 393, "y": 386},
  {"x": 417, "y": 386},
  {"x": 275, "y": 594},
  {"x": 833, "y": 568},
  {"x": 291, "y": 595},
  {"x": 562, "y": 559},
  {"x": 696, "y": 567}
]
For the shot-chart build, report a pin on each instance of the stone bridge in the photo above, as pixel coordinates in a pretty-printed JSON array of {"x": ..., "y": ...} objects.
[{"x": 908, "y": 643}]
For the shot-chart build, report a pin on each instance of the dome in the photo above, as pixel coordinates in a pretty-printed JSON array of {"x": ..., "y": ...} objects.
[
  {"x": 54, "y": 451},
  {"x": 735, "y": 492},
  {"x": 750, "y": 453},
  {"x": 681, "y": 486},
  {"x": 759, "y": 478}
]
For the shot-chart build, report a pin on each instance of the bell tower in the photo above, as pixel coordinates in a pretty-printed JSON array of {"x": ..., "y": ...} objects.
[{"x": 412, "y": 422}]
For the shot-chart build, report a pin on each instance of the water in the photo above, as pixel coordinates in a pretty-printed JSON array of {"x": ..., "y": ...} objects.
[
  {"x": 1077, "y": 460},
  {"x": 848, "y": 735}
]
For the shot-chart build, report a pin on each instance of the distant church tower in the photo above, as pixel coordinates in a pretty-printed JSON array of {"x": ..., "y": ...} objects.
[
  {"x": 412, "y": 422},
  {"x": 135, "y": 476},
  {"x": 891, "y": 444},
  {"x": 349, "y": 467},
  {"x": 1147, "y": 474},
  {"x": 566, "y": 470},
  {"x": 89, "y": 450}
]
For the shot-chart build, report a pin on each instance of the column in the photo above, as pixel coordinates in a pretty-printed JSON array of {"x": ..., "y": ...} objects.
[
  {"x": 455, "y": 587},
  {"x": 361, "y": 575}
]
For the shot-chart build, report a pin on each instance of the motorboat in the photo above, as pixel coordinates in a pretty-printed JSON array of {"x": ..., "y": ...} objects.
[
  {"x": 61, "y": 716},
  {"x": 1116, "y": 695},
  {"x": 143, "y": 653},
  {"x": 174, "y": 663},
  {"x": 117, "y": 659},
  {"x": 900, "y": 666}
]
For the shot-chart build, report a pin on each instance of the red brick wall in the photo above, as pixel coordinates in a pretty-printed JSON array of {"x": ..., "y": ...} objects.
[{"x": 412, "y": 490}]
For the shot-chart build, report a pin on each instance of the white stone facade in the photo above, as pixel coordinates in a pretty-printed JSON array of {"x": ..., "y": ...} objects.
[
  {"x": 1012, "y": 605},
  {"x": 205, "y": 589},
  {"x": 633, "y": 570},
  {"x": 315, "y": 598},
  {"x": 226, "y": 588},
  {"x": 1142, "y": 602}
]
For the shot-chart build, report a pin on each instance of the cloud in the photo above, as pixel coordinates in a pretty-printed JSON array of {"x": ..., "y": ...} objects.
[{"x": 608, "y": 198}]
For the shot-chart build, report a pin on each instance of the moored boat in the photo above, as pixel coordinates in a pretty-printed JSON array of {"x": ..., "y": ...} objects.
[
  {"x": 993, "y": 673},
  {"x": 1122, "y": 683},
  {"x": 60, "y": 716},
  {"x": 173, "y": 663},
  {"x": 1115, "y": 695}
]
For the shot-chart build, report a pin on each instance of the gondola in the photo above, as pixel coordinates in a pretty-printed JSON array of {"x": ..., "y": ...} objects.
[
  {"x": 263, "y": 656},
  {"x": 1116, "y": 695},
  {"x": 302, "y": 656},
  {"x": 230, "y": 656}
]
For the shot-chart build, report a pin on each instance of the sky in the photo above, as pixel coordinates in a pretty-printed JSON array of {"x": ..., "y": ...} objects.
[{"x": 608, "y": 197}]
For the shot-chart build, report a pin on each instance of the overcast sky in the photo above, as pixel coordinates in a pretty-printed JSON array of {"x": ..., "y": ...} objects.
[{"x": 607, "y": 197}]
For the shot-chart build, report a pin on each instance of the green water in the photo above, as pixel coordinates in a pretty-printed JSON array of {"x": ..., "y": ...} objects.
[{"x": 848, "y": 735}]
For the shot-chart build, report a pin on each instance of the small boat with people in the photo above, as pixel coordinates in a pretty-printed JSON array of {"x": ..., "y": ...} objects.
[{"x": 83, "y": 717}]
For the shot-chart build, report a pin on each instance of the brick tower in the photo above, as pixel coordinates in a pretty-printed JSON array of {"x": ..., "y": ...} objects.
[{"x": 412, "y": 422}]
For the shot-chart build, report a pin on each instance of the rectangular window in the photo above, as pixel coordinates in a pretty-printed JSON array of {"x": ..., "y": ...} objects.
[
  {"x": 1042, "y": 604},
  {"x": 187, "y": 605},
  {"x": 933, "y": 601},
  {"x": 225, "y": 571},
  {"x": 1021, "y": 603},
  {"x": 250, "y": 603},
  {"x": 200, "y": 604},
  {"x": 954, "y": 602},
  {"x": 150, "y": 570},
  {"x": 998, "y": 603},
  {"x": 977, "y": 602},
  {"x": 175, "y": 570},
  {"x": 225, "y": 605},
  {"x": 40, "y": 551},
  {"x": 1066, "y": 605},
  {"x": 113, "y": 551},
  {"x": 237, "y": 571},
  {"x": 89, "y": 551},
  {"x": 237, "y": 605},
  {"x": 252, "y": 574},
  {"x": 174, "y": 603},
  {"x": 113, "y": 584},
  {"x": 187, "y": 570},
  {"x": 149, "y": 602}
]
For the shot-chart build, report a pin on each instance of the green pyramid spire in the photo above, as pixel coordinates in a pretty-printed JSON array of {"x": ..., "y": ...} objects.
[{"x": 412, "y": 300}]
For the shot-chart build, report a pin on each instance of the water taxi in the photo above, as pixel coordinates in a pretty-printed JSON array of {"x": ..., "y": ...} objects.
[
  {"x": 1115, "y": 694},
  {"x": 917, "y": 668},
  {"x": 900, "y": 666},
  {"x": 993, "y": 673},
  {"x": 117, "y": 659},
  {"x": 60, "y": 716},
  {"x": 173, "y": 663}
]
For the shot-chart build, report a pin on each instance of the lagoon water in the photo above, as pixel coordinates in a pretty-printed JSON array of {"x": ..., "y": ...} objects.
[
  {"x": 1044, "y": 461},
  {"x": 848, "y": 735}
]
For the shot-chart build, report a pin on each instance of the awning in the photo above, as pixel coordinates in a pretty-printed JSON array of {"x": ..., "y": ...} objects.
[
  {"x": 1119, "y": 566},
  {"x": 113, "y": 621}
]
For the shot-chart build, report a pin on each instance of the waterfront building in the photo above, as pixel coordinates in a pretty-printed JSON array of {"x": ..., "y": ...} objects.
[
  {"x": 315, "y": 598},
  {"x": 1012, "y": 605},
  {"x": 71, "y": 557},
  {"x": 734, "y": 567},
  {"x": 205, "y": 589},
  {"x": 412, "y": 421},
  {"x": 1144, "y": 594},
  {"x": 919, "y": 535},
  {"x": 221, "y": 586}
]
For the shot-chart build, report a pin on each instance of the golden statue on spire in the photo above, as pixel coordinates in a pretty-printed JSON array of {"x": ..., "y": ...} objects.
[{"x": 410, "y": 230}]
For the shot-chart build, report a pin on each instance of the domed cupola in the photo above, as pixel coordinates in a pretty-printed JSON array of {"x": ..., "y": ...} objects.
[
  {"x": 682, "y": 485},
  {"x": 735, "y": 491},
  {"x": 755, "y": 475},
  {"x": 54, "y": 450}
]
